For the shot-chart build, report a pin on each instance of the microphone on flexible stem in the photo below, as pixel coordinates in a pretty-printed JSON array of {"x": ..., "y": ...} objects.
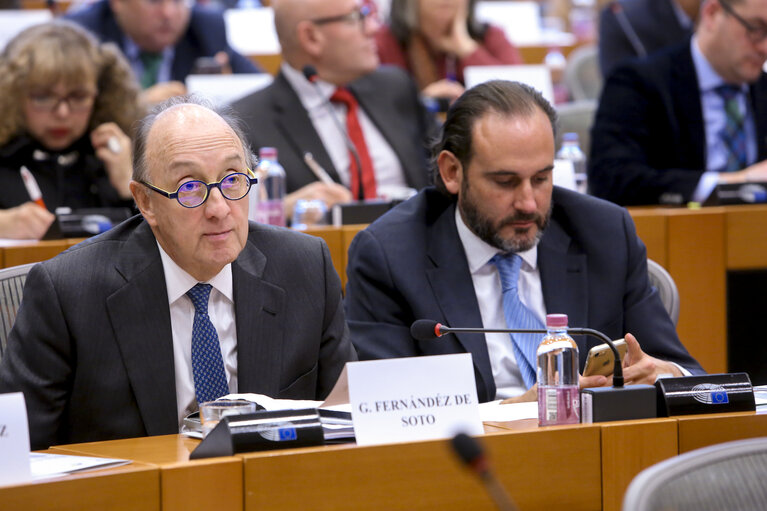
[
  {"x": 598, "y": 404},
  {"x": 426, "y": 329},
  {"x": 470, "y": 453},
  {"x": 310, "y": 73},
  {"x": 628, "y": 30}
]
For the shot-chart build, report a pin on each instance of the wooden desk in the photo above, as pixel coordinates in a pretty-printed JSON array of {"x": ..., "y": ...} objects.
[
  {"x": 129, "y": 487},
  {"x": 592, "y": 465},
  {"x": 214, "y": 483}
]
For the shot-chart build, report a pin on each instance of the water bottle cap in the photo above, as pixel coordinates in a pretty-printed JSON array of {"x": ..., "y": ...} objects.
[
  {"x": 267, "y": 153},
  {"x": 556, "y": 320},
  {"x": 570, "y": 137}
]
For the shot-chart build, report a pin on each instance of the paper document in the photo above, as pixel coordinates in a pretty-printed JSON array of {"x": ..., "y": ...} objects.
[{"x": 53, "y": 465}]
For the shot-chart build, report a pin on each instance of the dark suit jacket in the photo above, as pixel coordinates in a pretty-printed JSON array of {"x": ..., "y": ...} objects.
[
  {"x": 654, "y": 22},
  {"x": 92, "y": 347},
  {"x": 410, "y": 265},
  {"x": 275, "y": 117},
  {"x": 648, "y": 142},
  {"x": 204, "y": 37}
]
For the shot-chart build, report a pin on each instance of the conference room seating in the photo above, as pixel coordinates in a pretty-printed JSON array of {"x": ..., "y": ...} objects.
[
  {"x": 730, "y": 475},
  {"x": 577, "y": 117},
  {"x": 582, "y": 75},
  {"x": 666, "y": 287},
  {"x": 11, "y": 287}
]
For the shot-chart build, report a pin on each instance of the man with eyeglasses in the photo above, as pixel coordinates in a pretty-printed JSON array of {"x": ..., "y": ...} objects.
[
  {"x": 670, "y": 127},
  {"x": 162, "y": 40},
  {"x": 125, "y": 334},
  {"x": 342, "y": 110}
]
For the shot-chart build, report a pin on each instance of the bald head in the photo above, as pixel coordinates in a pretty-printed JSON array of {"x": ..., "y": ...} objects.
[{"x": 330, "y": 35}]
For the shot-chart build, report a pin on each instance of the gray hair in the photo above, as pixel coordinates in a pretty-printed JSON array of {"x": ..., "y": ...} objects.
[{"x": 140, "y": 164}]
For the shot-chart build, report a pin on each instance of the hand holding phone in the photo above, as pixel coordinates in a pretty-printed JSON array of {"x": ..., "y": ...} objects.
[{"x": 601, "y": 360}]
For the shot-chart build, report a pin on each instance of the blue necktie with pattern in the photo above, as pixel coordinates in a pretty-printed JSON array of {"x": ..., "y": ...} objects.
[
  {"x": 207, "y": 364},
  {"x": 733, "y": 134},
  {"x": 518, "y": 316}
]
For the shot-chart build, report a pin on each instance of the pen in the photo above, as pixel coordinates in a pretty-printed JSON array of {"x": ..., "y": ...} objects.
[
  {"x": 318, "y": 171},
  {"x": 31, "y": 185}
]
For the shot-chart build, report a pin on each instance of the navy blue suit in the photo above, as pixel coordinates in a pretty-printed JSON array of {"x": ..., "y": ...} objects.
[
  {"x": 410, "y": 265},
  {"x": 204, "y": 37},
  {"x": 648, "y": 141}
]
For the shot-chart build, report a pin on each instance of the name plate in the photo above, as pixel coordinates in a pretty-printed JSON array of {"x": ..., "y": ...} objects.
[
  {"x": 408, "y": 399},
  {"x": 14, "y": 439}
]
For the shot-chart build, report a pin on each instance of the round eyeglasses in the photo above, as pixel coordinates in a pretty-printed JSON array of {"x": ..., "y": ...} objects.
[{"x": 194, "y": 193}]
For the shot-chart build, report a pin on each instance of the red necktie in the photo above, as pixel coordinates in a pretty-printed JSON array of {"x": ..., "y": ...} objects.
[{"x": 343, "y": 96}]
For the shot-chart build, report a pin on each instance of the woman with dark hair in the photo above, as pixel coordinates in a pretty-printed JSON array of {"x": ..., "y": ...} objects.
[
  {"x": 436, "y": 39},
  {"x": 67, "y": 103}
]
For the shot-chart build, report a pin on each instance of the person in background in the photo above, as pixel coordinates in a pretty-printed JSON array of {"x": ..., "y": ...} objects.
[
  {"x": 349, "y": 95},
  {"x": 637, "y": 28},
  {"x": 672, "y": 126},
  {"x": 128, "y": 332},
  {"x": 67, "y": 104},
  {"x": 495, "y": 242},
  {"x": 163, "y": 40},
  {"x": 436, "y": 39}
]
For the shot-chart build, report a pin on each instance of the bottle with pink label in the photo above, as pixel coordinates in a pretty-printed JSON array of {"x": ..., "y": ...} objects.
[
  {"x": 267, "y": 205},
  {"x": 558, "y": 392}
]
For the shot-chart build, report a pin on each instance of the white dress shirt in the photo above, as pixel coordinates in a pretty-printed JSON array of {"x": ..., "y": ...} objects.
[
  {"x": 487, "y": 287},
  {"x": 388, "y": 170},
  {"x": 221, "y": 312}
]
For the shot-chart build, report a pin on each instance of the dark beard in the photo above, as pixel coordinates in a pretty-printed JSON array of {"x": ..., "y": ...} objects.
[{"x": 488, "y": 232}]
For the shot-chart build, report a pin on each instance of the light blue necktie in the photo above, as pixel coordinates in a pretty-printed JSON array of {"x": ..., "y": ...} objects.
[
  {"x": 207, "y": 363},
  {"x": 734, "y": 133},
  {"x": 518, "y": 316}
]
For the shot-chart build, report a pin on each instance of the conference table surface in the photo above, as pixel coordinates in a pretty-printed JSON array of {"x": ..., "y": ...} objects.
[{"x": 578, "y": 467}]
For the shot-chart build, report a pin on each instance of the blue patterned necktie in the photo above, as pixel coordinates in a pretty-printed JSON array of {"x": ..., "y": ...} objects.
[
  {"x": 518, "y": 316},
  {"x": 207, "y": 363},
  {"x": 733, "y": 134}
]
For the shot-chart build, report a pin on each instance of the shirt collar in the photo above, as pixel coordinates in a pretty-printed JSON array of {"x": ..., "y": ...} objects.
[
  {"x": 178, "y": 281},
  {"x": 479, "y": 253},
  {"x": 708, "y": 78},
  {"x": 312, "y": 96}
]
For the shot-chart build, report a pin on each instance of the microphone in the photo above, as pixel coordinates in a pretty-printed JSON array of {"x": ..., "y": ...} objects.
[
  {"x": 470, "y": 453},
  {"x": 427, "y": 329},
  {"x": 628, "y": 30},
  {"x": 310, "y": 73}
]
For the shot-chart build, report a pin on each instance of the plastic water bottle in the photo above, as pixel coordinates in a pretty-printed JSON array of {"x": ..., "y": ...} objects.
[
  {"x": 558, "y": 391},
  {"x": 556, "y": 62},
  {"x": 571, "y": 151},
  {"x": 269, "y": 201}
]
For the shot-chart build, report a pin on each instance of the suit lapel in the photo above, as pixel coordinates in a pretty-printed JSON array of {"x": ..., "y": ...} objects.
[
  {"x": 140, "y": 318},
  {"x": 759, "y": 107},
  {"x": 564, "y": 277},
  {"x": 293, "y": 122},
  {"x": 259, "y": 307},
  {"x": 453, "y": 289}
]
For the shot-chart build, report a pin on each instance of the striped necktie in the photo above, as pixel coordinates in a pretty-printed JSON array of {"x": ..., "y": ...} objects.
[
  {"x": 207, "y": 363},
  {"x": 518, "y": 316},
  {"x": 733, "y": 134}
]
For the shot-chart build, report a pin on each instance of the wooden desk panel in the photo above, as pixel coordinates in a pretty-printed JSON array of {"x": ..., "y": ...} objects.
[
  {"x": 214, "y": 483},
  {"x": 696, "y": 260},
  {"x": 652, "y": 230},
  {"x": 696, "y": 431},
  {"x": 746, "y": 240},
  {"x": 426, "y": 475},
  {"x": 628, "y": 447},
  {"x": 130, "y": 487}
]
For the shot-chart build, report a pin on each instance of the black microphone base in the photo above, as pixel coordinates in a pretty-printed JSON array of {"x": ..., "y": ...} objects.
[{"x": 604, "y": 404}]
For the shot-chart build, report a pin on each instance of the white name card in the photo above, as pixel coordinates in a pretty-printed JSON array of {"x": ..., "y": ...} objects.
[
  {"x": 14, "y": 439},
  {"x": 407, "y": 399}
]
